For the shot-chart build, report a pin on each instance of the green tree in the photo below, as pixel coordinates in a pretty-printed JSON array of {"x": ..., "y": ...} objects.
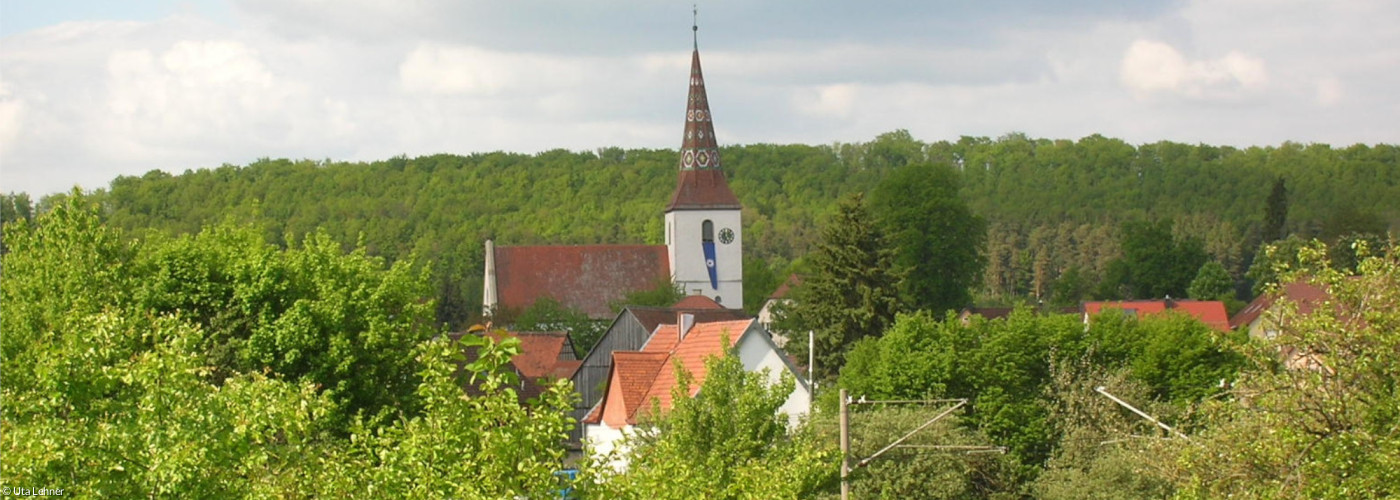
[
  {"x": 1070, "y": 288},
  {"x": 851, "y": 292},
  {"x": 937, "y": 239},
  {"x": 1156, "y": 264},
  {"x": 1212, "y": 283},
  {"x": 663, "y": 293},
  {"x": 109, "y": 389},
  {"x": 1319, "y": 418},
  {"x": 1276, "y": 212},
  {"x": 1273, "y": 260},
  {"x": 914, "y": 473}
]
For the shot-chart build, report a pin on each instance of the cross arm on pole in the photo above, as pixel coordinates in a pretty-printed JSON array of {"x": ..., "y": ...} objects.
[{"x": 897, "y": 442}]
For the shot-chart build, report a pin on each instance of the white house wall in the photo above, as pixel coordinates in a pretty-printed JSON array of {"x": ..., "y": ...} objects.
[{"x": 758, "y": 353}]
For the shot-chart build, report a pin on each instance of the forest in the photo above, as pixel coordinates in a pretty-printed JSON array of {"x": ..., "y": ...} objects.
[
  {"x": 275, "y": 329},
  {"x": 221, "y": 364},
  {"x": 1055, "y": 211}
]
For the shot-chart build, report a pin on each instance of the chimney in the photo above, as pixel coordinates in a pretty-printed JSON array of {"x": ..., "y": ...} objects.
[
  {"x": 489, "y": 298},
  {"x": 684, "y": 322}
]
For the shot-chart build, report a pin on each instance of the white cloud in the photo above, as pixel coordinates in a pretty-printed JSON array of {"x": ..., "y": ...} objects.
[
  {"x": 86, "y": 101},
  {"x": 1330, "y": 91},
  {"x": 1150, "y": 66},
  {"x": 11, "y": 118},
  {"x": 206, "y": 96}
]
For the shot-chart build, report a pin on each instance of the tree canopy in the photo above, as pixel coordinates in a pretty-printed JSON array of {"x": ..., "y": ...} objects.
[
  {"x": 1050, "y": 205},
  {"x": 851, "y": 292},
  {"x": 936, "y": 238}
]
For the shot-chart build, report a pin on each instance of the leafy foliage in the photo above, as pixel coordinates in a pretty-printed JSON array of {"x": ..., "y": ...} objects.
[
  {"x": 135, "y": 368},
  {"x": 1050, "y": 204},
  {"x": 1154, "y": 263},
  {"x": 851, "y": 293},
  {"x": 1320, "y": 419},
  {"x": 548, "y": 315},
  {"x": 937, "y": 239},
  {"x": 1005, "y": 366},
  {"x": 1276, "y": 212},
  {"x": 1212, "y": 282}
]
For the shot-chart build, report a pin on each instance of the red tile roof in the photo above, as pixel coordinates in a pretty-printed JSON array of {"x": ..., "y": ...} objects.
[
  {"x": 629, "y": 380},
  {"x": 541, "y": 352},
  {"x": 1307, "y": 296},
  {"x": 586, "y": 278},
  {"x": 1210, "y": 312},
  {"x": 689, "y": 352},
  {"x": 663, "y": 339},
  {"x": 543, "y": 356},
  {"x": 703, "y": 340},
  {"x": 793, "y": 281},
  {"x": 696, "y": 302}
]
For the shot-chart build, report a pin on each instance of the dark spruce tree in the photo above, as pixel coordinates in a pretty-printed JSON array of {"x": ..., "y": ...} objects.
[
  {"x": 851, "y": 293},
  {"x": 1276, "y": 212}
]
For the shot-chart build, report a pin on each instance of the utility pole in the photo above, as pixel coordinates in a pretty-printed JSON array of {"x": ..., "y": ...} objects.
[
  {"x": 845, "y": 423},
  {"x": 845, "y": 448}
]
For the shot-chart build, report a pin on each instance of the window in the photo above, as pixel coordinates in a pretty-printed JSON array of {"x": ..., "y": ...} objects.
[{"x": 707, "y": 232}]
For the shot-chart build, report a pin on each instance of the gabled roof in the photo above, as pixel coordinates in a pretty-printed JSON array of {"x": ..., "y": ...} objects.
[
  {"x": 701, "y": 184},
  {"x": 585, "y": 277},
  {"x": 793, "y": 281},
  {"x": 1210, "y": 312},
  {"x": 688, "y": 352},
  {"x": 630, "y": 377},
  {"x": 1306, "y": 295},
  {"x": 702, "y": 341},
  {"x": 541, "y": 353}
]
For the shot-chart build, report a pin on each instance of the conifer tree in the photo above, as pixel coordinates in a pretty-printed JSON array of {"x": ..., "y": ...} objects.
[
  {"x": 852, "y": 292},
  {"x": 1276, "y": 212}
]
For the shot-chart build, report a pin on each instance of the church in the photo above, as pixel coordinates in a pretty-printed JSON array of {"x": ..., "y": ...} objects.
[
  {"x": 702, "y": 255},
  {"x": 632, "y": 365}
]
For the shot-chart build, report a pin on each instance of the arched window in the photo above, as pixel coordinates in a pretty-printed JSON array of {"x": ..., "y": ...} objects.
[{"x": 707, "y": 232}]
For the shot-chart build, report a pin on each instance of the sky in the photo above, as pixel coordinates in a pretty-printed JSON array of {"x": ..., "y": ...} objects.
[{"x": 93, "y": 89}]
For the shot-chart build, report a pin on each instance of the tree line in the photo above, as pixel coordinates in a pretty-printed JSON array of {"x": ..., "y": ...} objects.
[{"x": 1055, "y": 210}]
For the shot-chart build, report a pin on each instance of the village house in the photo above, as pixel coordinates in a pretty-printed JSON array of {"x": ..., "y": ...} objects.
[
  {"x": 637, "y": 379},
  {"x": 1210, "y": 312}
]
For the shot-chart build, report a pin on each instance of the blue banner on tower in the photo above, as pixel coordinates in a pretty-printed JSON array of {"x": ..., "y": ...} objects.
[{"x": 710, "y": 263}]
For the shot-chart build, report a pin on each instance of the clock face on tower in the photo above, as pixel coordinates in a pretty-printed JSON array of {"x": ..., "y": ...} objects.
[{"x": 726, "y": 236}]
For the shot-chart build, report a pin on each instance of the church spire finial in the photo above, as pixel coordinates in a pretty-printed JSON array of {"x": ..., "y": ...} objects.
[{"x": 695, "y": 25}]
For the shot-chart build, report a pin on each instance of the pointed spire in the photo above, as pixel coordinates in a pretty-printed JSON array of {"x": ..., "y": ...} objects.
[{"x": 701, "y": 184}]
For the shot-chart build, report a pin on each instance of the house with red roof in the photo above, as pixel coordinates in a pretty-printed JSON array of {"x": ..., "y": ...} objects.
[
  {"x": 544, "y": 357},
  {"x": 629, "y": 331},
  {"x": 1258, "y": 317},
  {"x": 703, "y": 254},
  {"x": 641, "y": 380},
  {"x": 1210, "y": 312}
]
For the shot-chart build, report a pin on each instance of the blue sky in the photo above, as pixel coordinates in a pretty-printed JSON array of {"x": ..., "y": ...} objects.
[{"x": 90, "y": 90}]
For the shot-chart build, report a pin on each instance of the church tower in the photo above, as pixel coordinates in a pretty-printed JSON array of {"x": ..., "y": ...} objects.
[{"x": 704, "y": 237}]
